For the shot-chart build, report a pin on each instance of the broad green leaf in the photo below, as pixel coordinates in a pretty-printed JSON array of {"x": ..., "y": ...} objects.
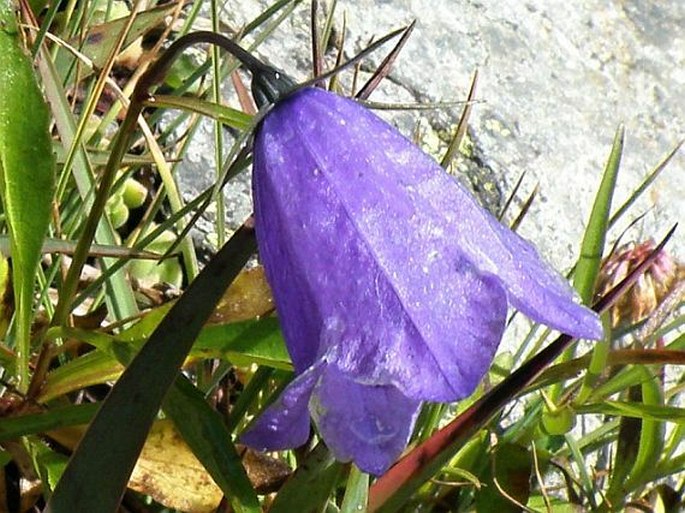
[
  {"x": 26, "y": 174},
  {"x": 49, "y": 463},
  {"x": 242, "y": 343}
]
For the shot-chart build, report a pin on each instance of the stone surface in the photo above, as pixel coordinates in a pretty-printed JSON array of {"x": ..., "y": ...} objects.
[{"x": 556, "y": 79}]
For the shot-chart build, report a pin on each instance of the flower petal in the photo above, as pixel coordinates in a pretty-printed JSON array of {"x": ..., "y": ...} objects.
[
  {"x": 436, "y": 351},
  {"x": 280, "y": 243},
  {"x": 391, "y": 301},
  {"x": 285, "y": 423},
  {"x": 407, "y": 209},
  {"x": 369, "y": 425}
]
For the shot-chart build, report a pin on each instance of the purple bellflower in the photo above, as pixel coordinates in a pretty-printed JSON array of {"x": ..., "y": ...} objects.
[{"x": 391, "y": 283}]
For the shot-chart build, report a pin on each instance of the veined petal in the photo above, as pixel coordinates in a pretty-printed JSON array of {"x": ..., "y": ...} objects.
[
  {"x": 280, "y": 249},
  {"x": 285, "y": 423},
  {"x": 407, "y": 209},
  {"x": 392, "y": 302},
  {"x": 369, "y": 425},
  {"x": 429, "y": 351}
]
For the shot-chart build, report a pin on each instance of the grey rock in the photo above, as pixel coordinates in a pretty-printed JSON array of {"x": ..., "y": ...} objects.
[{"x": 556, "y": 79}]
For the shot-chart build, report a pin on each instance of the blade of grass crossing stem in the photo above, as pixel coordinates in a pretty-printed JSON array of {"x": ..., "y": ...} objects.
[
  {"x": 356, "y": 492},
  {"x": 226, "y": 115},
  {"x": 220, "y": 227},
  {"x": 590, "y": 260},
  {"x": 26, "y": 196},
  {"x": 268, "y": 13},
  {"x": 98, "y": 471}
]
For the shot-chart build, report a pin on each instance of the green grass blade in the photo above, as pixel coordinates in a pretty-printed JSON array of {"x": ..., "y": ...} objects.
[
  {"x": 317, "y": 474},
  {"x": 592, "y": 247},
  {"x": 637, "y": 410},
  {"x": 356, "y": 492},
  {"x": 645, "y": 184},
  {"x": 90, "y": 369},
  {"x": 121, "y": 301},
  {"x": 240, "y": 343},
  {"x": 95, "y": 480},
  {"x": 590, "y": 258},
  {"x": 225, "y": 115},
  {"x": 72, "y": 415}
]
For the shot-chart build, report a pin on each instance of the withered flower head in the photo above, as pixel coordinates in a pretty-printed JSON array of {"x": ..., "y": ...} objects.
[{"x": 648, "y": 291}]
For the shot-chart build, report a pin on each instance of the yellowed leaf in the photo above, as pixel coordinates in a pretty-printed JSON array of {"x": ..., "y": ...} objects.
[
  {"x": 169, "y": 472},
  {"x": 249, "y": 296},
  {"x": 166, "y": 470}
]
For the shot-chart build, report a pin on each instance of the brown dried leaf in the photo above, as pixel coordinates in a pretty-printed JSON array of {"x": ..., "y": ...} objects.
[{"x": 266, "y": 474}]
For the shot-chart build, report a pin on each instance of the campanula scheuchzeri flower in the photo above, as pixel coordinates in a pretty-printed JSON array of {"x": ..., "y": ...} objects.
[{"x": 391, "y": 282}]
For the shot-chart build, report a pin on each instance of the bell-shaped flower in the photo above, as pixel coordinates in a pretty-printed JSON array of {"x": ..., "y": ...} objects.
[{"x": 391, "y": 282}]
